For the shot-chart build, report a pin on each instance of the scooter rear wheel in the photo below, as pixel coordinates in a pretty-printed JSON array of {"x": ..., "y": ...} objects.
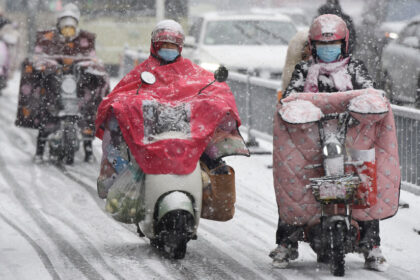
[{"x": 174, "y": 230}]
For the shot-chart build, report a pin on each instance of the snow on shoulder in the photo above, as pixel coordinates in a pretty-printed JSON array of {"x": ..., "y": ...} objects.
[
  {"x": 300, "y": 111},
  {"x": 371, "y": 102}
]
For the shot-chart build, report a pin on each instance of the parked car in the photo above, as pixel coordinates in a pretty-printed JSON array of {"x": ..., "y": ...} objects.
[
  {"x": 299, "y": 16},
  {"x": 255, "y": 43},
  {"x": 381, "y": 23},
  {"x": 401, "y": 66}
]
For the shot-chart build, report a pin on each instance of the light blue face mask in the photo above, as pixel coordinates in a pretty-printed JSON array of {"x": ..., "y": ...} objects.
[
  {"x": 168, "y": 54},
  {"x": 328, "y": 53}
]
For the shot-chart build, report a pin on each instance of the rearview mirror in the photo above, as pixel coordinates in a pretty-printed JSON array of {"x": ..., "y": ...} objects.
[
  {"x": 147, "y": 78},
  {"x": 221, "y": 74}
]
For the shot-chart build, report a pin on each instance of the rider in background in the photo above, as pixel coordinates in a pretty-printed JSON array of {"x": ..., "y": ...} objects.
[
  {"x": 331, "y": 69},
  {"x": 68, "y": 40}
]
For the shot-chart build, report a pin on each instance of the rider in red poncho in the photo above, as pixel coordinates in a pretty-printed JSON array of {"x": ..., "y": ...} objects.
[{"x": 129, "y": 113}]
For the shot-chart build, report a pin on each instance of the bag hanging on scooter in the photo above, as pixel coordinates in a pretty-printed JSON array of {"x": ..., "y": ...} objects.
[
  {"x": 122, "y": 183},
  {"x": 219, "y": 196},
  {"x": 125, "y": 197},
  {"x": 367, "y": 191}
]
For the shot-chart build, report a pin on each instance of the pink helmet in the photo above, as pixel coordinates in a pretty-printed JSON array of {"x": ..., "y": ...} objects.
[{"x": 328, "y": 27}]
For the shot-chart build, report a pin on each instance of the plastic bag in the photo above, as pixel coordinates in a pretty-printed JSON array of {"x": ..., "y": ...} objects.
[
  {"x": 125, "y": 197},
  {"x": 367, "y": 191}
]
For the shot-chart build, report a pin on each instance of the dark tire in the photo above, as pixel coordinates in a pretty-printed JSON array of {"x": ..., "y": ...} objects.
[
  {"x": 70, "y": 137},
  {"x": 323, "y": 258},
  {"x": 69, "y": 155},
  {"x": 179, "y": 251},
  {"x": 337, "y": 253},
  {"x": 156, "y": 243},
  {"x": 174, "y": 230}
]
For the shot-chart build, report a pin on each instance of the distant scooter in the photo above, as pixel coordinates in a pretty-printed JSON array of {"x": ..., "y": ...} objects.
[{"x": 64, "y": 142}]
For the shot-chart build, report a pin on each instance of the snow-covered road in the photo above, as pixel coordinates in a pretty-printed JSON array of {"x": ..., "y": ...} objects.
[{"x": 53, "y": 226}]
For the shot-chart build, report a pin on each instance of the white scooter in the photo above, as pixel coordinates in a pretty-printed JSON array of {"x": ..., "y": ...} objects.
[{"x": 171, "y": 203}]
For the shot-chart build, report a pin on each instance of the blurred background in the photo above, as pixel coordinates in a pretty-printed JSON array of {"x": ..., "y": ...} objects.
[{"x": 125, "y": 25}]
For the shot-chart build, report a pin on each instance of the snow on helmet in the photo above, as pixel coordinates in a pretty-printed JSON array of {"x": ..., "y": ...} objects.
[
  {"x": 168, "y": 31},
  {"x": 327, "y": 28},
  {"x": 69, "y": 10}
]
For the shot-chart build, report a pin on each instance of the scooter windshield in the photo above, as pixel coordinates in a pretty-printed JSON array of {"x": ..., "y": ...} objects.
[{"x": 164, "y": 121}]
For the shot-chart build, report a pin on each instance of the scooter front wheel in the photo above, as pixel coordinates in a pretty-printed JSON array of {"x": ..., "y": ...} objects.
[
  {"x": 337, "y": 252},
  {"x": 175, "y": 250}
]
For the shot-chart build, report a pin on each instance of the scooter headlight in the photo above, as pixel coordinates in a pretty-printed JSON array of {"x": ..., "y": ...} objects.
[
  {"x": 68, "y": 85},
  {"x": 332, "y": 150}
]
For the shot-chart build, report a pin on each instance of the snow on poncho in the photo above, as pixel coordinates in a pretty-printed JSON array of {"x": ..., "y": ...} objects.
[{"x": 167, "y": 125}]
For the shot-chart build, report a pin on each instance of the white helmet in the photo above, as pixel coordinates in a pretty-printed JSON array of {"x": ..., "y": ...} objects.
[{"x": 69, "y": 10}]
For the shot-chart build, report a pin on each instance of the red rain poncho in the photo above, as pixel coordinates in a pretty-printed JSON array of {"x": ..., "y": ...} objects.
[{"x": 177, "y": 85}]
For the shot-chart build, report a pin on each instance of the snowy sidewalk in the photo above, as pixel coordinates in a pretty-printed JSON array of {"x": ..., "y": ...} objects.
[{"x": 53, "y": 226}]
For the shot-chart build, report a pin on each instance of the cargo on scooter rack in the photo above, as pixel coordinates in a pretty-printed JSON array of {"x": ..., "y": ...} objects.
[{"x": 165, "y": 205}]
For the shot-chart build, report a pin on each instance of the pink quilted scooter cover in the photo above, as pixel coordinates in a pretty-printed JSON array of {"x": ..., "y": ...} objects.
[{"x": 297, "y": 145}]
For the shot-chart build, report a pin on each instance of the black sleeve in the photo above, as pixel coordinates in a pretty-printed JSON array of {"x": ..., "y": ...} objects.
[
  {"x": 360, "y": 76},
  {"x": 297, "y": 81}
]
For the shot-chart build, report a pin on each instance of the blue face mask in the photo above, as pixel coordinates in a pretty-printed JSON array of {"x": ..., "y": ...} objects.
[
  {"x": 168, "y": 54},
  {"x": 328, "y": 53}
]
